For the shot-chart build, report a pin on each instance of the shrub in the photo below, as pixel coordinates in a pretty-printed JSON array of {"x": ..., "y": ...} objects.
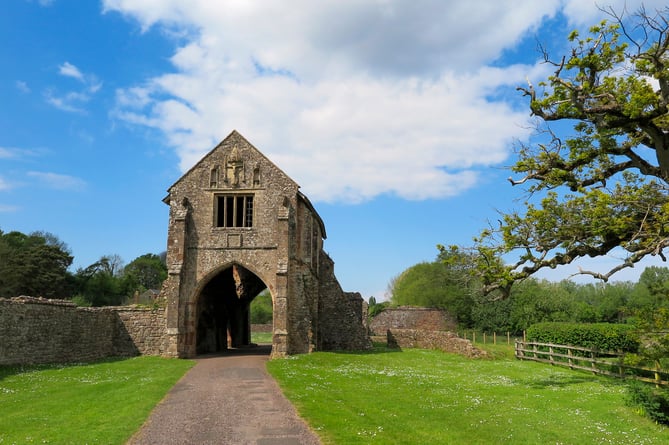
[
  {"x": 602, "y": 336},
  {"x": 261, "y": 309},
  {"x": 652, "y": 402}
]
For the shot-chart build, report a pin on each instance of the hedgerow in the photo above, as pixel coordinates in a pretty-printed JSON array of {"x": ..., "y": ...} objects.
[{"x": 601, "y": 336}]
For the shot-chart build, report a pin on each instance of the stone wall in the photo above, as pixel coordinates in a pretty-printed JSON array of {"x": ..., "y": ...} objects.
[
  {"x": 440, "y": 340},
  {"x": 342, "y": 315},
  {"x": 37, "y": 330},
  {"x": 141, "y": 331},
  {"x": 426, "y": 319}
]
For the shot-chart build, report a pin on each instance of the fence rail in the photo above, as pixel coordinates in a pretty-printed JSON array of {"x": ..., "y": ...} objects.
[
  {"x": 598, "y": 362},
  {"x": 488, "y": 338}
]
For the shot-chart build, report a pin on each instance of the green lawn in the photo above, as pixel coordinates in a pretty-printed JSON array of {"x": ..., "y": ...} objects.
[
  {"x": 429, "y": 397},
  {"x": 261, "y": 337},
  {"x": 103, "y": 403}
]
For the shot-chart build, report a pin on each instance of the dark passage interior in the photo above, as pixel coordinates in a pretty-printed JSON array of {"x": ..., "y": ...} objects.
[{"x": 223, "y": 319}]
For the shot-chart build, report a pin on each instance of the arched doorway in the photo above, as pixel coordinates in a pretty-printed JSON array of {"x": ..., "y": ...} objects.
[{"x": 223, "y": 316}]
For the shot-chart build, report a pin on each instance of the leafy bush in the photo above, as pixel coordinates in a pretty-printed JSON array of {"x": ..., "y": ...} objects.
[
  {"x": 652, "y": 402},
  {"x": 602, "y": 336},
  {"x": 261, "y": 308}
]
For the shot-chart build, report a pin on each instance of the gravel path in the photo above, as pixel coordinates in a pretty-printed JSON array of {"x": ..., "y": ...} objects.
[{"x": 226, "y": 399}]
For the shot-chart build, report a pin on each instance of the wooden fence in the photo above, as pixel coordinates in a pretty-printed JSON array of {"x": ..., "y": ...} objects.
[
  {"x": 488, "y": 338},
  {"x": 598, "y": 362}
]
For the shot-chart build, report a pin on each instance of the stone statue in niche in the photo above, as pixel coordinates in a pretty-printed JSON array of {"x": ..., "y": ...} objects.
[
  {"x": 256, "y": 175},
  {"x": 234, "y": 168},
  {"x": 213, "y": 177}
]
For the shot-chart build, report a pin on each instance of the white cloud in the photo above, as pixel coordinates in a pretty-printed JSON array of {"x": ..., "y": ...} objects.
[
  {"x": 69, "y": 70},
  {"x": 586, "y": 13},
  {"x": 17, "y": 153},
  {"x": 5, "y": 185},
  {"x": 7, "y": 153},
  {"x": 22, "y": 86},
  {"x": 58, "y": 181},
  {"x": 8, "y": 208},
  {"x": 73, "y": 101},
  {"x": 70, "y": 102},
  {"x": 352, "y": 99}
]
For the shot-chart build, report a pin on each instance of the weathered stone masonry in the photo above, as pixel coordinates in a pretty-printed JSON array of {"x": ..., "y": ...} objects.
[
  {"x": 406, "y": 317},
  {"x": 238, "y": 225},
  {"x": 36, "y": 330}
]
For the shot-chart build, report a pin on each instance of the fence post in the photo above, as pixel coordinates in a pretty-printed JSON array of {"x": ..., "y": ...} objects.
[
  {"x": 550, "y": 354},
  {"x": 494, "y": 338},
  {"x": 508, "y": 338},
  {"x": 657, "y": 373},
  {"x": 593, "y": 365},
  {"x": 571, "y": 366},
  {"x": 473, "y": 337},
  {"x": 484, "y": 338}
]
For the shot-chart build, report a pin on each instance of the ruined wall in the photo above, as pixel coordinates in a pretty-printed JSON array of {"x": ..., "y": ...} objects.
[
  {"x": 342, "y": 315},
  {"x": 427, "y": 319},
  {"x": 440, "y": 340},
  {"x": 37, "y": 330}
]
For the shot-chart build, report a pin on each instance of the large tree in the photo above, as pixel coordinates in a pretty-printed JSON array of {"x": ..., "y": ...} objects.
[
  {"x": 144, "y": 272},
  {"x": 100, "y": 283},
  {"x": 34, "y": 265},
  {"x": 445, "y": 283},
  {"x": 604, "y": 185}
]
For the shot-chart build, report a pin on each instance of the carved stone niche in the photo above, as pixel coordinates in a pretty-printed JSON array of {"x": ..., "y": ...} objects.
[{"x": 235, "y": 169}]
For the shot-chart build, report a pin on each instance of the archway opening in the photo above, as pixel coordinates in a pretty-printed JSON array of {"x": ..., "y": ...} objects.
[{"x": 223, "y": 315}]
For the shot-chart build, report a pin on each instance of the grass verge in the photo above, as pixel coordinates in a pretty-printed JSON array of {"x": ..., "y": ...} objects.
[
  {"x": 429, "y": 397},
  {"x": 261, "y": 337},
  {"x": 103, "y": 402}
]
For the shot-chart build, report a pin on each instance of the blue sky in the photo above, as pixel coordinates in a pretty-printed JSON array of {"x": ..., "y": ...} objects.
[{"x": 397, "y": 118}]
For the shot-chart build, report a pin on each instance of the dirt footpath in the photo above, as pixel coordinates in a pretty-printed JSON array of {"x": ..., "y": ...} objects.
[{"x": 226, "y": 399}]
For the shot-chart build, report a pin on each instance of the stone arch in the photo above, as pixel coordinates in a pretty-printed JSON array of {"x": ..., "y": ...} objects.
[
  {"x": 221, "y": 302},
  {"x": 278, "y": 239}
]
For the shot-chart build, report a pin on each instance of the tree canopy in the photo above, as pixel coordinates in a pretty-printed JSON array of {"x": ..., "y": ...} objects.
[
  {"x": 34, "y": 265},
  {"x": 445, "y": 283},
  {"x": 604, "y": 185},
  {"x": 145, "y": 272}
]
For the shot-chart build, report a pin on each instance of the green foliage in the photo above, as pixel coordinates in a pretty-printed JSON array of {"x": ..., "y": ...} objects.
[
  {"x": 601, "y": 336},
  {"x": 530, "y": 301},
  {"x": 650, "y": 401},
  {"x": 445, "y": 283},
  {"x": 100, "y": 284},
  {"x": 653, "y": 329},
  {"x": 603, "y": 185},
  {"x": 261, "y": 308},
  {"x": 143, "y": 273},
  {"x": 375, "y": 308},
  {"x": 34, "y": 265}
]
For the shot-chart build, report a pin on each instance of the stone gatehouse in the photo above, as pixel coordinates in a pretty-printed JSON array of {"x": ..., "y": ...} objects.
[{"x": 238, "y": 225}]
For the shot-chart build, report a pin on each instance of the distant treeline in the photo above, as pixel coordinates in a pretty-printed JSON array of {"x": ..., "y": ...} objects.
[{"x": 37, "y": 265}]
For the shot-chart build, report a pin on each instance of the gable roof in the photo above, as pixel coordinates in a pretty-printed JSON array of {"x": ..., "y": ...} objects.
[
  {"x": 236, "y": 135},
  {"x": 233, "y": 135}
]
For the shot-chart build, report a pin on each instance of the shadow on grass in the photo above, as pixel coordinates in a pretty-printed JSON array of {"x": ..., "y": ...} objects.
[
  {"x": 566, "y": 380},
  {"x": 12, "y": 370},
  {"x": 377, "y": 348}
]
